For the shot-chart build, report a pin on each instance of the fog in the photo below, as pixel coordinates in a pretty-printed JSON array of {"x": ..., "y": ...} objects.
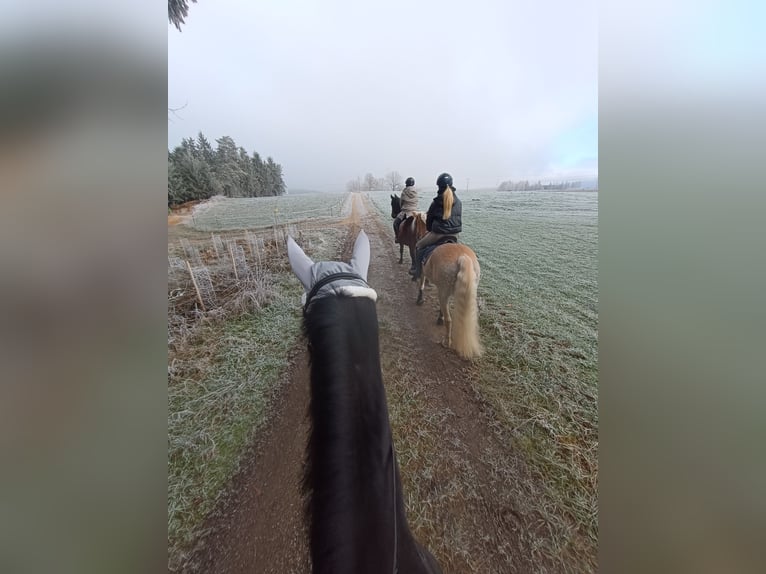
[{"x": 487, "y": 90}]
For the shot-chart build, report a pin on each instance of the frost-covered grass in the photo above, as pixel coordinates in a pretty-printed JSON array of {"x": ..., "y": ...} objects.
[
  {"x": 539, "y": 324},
  {"x": 539, "y": 259},
  {"x": 225, "y": 369},
  {"x": 221, "y": 213},
  {"x": 217, "y": 403},
  {"x": 537, "y": 379},
  {"x": 539, "y": 255}
]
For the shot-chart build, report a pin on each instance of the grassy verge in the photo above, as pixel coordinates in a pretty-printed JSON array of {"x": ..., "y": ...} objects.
[
  {"x": 545, "y": 401},
  {"x": 225, "y": 370},
  {"x": 539, "y": 375},
  {"x": 219, "y": 395}
]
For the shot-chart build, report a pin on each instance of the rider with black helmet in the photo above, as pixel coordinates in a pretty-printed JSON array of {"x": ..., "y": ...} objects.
[
  {"x": 444, "y": 218},
  {"x": 409, "y": 204}
]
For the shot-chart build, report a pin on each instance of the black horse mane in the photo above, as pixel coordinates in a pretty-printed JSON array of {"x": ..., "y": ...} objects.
[
  {"x": 348, "y": 478},
  {"x": 396, "y": 203}
]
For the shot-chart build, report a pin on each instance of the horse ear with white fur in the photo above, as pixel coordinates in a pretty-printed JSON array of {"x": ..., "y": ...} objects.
[
  {"x": 360, "y": 259},
  {"x": 302, "y": 263}
]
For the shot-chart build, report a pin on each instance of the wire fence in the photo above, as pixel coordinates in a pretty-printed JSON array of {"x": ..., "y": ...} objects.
[{"x": 222, "y": 275}]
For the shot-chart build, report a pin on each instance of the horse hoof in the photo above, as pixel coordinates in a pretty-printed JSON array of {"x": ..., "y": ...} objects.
[
  {"x": 440, "y": 321},
  {"x": 419, "y": 301}
]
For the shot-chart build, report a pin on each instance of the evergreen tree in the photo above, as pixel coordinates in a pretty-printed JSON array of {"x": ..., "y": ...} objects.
[
  {"x": 198, "y": 171},
  {"x": 205, "y": 149},
  {"x": 279, "y": 183},
  {"x": 226, "y": 167},
  {"x": 178, "y": 10},
  {"x": 259, "y": 174}
]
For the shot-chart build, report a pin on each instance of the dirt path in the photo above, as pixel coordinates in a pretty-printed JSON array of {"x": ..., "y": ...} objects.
[{"x": 455, "y": 472}]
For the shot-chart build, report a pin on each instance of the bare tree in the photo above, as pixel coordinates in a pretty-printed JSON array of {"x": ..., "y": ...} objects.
[
  {"x": 178, "y": 10},
  {"x": 370, "y": 183},
  {"x": 394, "y": 180},
  {"x": 175, "y": 111},
  {"x": 355, "y": 185}
]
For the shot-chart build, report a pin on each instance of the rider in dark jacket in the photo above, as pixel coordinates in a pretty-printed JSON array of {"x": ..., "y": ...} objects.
[
  {"x": 446, "y": 203},
  {"x": 435, "y": 221}
]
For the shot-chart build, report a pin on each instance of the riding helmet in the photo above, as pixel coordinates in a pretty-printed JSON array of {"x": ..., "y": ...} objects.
[
  {"x": 410, "y": 182},
  {"x": 444, "y": 180}
]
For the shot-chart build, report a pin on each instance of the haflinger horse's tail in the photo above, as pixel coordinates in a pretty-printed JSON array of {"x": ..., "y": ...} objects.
[{"x": 465, "y": 317}]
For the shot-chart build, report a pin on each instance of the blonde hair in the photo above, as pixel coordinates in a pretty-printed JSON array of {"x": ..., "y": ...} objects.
[{"x": 448, "y": 199}]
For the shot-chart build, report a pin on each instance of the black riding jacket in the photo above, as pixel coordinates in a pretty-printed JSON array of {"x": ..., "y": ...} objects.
[{"x": 434, "y": 217}]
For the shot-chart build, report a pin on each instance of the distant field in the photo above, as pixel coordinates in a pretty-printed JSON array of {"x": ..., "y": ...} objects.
[
  {"x": 539, "y": 323},
  {"x": 539, "y": 254},
  {"x": 220, "y": 214}
]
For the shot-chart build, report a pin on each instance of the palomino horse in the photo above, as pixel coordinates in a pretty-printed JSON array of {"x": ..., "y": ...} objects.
[
  {"x": 411, "y": 230},
  {"x": 454, "y": 269},
  {"x": 354, "y": 503}
]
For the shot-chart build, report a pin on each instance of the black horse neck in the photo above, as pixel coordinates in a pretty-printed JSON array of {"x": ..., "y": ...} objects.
[
  {"x": 396, "y": 206},
  {"x": 353, "y": 498}
]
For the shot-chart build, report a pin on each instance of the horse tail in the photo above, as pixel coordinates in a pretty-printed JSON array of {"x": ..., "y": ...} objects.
[{"x": 465, "y": 318}]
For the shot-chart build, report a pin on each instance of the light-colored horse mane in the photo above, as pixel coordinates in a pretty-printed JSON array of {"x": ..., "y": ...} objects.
[{"x": 419, "y": 224}]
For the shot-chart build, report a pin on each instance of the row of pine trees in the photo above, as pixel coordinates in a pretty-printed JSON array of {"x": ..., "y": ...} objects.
[{"x": 196, "y": 170}]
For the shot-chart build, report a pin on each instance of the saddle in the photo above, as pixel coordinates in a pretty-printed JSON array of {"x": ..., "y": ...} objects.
[{"x": 426, "y": 253}]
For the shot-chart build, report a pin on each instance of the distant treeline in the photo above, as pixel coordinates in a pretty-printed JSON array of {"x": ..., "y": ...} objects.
[
  {"x": 526, "y": 186},
  {"x": 391, "y": 181},
  {"x": 196, "y": 170}
]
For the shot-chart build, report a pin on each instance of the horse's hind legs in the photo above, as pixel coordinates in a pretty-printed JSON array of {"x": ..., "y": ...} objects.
[
  {"x": 420, "y": 290},
  {"x": 401, "y": 253},
  {"x": 445, "y": 314}
]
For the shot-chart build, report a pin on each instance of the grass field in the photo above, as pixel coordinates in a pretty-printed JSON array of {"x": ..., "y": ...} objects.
[
  {"x": 539, "y": 324},
  {"x": 219, "y": 214}
]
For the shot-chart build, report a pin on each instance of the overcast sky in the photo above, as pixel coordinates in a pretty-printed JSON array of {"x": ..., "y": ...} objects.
[{"x": 332, "y": 89}]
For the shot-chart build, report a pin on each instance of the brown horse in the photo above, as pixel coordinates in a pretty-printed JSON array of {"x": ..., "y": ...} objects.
[
  {"x": 411, "y": 230},
  {"x": 454, "y": 269}
]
